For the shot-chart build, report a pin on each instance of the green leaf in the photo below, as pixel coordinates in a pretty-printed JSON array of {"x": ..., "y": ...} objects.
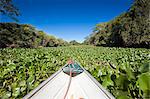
[
  {"x": 145, "y": 68},
  {"x": 123, "y": 97},
  {"x": 22, "y": 83},
  {"x": 130, "y": 73},
  {"x": 31, "y": 79},
  {"x": 144, "y": 81},
  {"x": 16, "y": 92},
  {"x": 7, "y": 95},
  {"x": 107, "y": 81},
  {"x": 122, "y": 82}
]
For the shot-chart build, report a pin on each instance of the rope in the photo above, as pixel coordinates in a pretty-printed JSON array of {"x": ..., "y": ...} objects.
[{"x": 68, "y": 84}]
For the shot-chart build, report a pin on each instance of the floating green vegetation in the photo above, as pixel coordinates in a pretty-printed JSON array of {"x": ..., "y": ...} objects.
[{"x": 125, "y": 72}]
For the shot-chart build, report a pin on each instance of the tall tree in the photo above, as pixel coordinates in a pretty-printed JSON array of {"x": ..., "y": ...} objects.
[
  {"x": 130, "y": 29},
  {"x": 7, "y": 8}
]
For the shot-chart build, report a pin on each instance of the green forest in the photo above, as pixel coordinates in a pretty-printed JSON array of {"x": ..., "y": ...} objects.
[
  {"x": 130, "y": 29},
  {"x": 15, "y": 35}
]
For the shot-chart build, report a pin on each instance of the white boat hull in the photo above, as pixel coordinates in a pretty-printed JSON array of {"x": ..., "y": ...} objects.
[{"x": 82, "y": 86}]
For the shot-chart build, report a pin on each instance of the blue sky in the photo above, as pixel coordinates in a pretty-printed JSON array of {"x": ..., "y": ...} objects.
[{"x": 68, "y": 19}]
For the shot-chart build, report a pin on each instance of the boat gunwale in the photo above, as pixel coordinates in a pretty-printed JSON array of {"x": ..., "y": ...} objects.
[
  {"x": 34, "y": 91},
  {"x": 40, "y": 86},
  {"x": 109, "y": 95}
]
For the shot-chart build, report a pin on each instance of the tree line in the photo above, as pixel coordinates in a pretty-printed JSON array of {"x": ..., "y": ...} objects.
[
  {"x": 25, "y": 35},
  {"x": 130, "y": 29}
]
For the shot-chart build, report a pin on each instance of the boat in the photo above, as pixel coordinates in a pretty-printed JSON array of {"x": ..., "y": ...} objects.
[{"x": 72, "y": 81}]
